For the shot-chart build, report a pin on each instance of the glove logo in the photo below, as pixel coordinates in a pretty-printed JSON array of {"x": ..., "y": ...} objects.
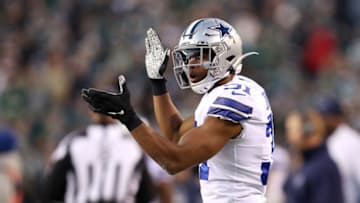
[{"x": 122, "y": 112}]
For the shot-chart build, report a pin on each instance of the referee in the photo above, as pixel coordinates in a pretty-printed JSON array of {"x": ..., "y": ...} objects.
[{"x": 101, "y": 164}]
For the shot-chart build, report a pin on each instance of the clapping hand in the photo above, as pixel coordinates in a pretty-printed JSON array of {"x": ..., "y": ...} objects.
[
  {"x": 116, "y": 105},
  {"x": 156, "y": 57}
]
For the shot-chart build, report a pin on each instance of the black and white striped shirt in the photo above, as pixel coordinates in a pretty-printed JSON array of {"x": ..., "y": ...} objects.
[{"x": 100, "y": 164}]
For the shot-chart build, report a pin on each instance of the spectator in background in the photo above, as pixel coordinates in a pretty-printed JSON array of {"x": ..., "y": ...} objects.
[
  {"x": 343, "y": 144},
  {"x": 101, "y": 163},
  {"x": 317, "y": 179},
  {"x": 10, "y": 168},
  {"x": 320, "y": 47}
]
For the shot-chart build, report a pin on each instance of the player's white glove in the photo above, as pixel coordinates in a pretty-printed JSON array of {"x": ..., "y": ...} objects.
[{"x": 156, "y": 57}]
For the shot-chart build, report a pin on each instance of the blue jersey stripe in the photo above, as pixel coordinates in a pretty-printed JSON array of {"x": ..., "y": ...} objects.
[
  {"x": 234, "y": 104},
  {"x": 227, "y": 114}
]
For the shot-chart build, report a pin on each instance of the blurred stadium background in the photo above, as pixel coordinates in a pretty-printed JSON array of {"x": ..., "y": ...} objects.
[{"x": 50, "y": 49}]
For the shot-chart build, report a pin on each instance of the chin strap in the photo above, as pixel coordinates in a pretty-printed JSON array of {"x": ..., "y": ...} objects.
[{"x": 238, "y": 63}]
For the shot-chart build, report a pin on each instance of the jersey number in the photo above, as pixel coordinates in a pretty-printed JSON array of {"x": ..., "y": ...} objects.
[
  {"x": 270, "y": 131},
  {"x": 238, "y": 89},
  {"x": 265, "y": 166},
  {"x": 204, "y": 171}
]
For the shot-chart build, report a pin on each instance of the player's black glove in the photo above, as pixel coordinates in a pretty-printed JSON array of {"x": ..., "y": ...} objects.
[
  {"x": 156, "y": 59},
  {"x": 116, "y": 105}
]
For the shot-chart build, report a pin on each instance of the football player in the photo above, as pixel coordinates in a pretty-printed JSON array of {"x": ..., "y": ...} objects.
[{"x": 231, "y": 133}]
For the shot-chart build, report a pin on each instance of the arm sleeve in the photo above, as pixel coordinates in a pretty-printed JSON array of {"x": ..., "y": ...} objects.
[
  {"x": 146, "y": 190},
  {"x": 230, "y": 108},
  {"x": 54, "y": 186}
]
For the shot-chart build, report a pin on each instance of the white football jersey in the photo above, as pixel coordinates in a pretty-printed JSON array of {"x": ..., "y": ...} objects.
[{"x": 238, "y": 172}]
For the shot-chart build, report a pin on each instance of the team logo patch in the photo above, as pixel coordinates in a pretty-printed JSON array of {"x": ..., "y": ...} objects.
[{"x": 222, "y": 29}]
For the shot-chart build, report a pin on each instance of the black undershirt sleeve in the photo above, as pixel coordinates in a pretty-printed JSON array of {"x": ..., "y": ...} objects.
[{"x": 55, "y": 182}]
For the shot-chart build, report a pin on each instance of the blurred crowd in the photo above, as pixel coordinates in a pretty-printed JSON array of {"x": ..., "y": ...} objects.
[{"x": 51, "y": 49}]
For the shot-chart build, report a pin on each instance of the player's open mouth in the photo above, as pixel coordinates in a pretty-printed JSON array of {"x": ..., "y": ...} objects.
[{"x": 194, "y": 78}]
